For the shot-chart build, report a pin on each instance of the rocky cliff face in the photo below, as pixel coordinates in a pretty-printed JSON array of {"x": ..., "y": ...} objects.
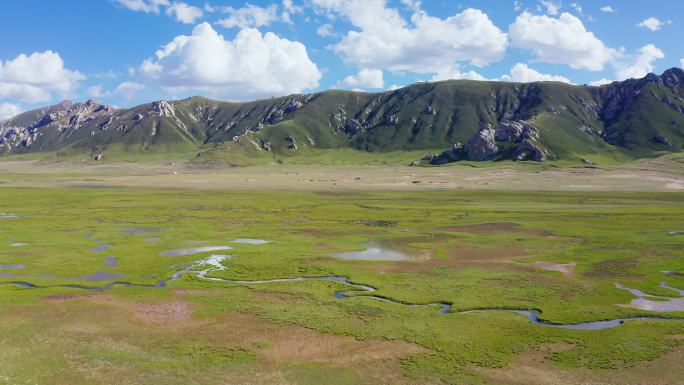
[
  {"x": 482, "y": 145},
  {"x": 63, "y": 119},
  {"x": 514, "y": 140},
  {"x": 495, "y": 120}
]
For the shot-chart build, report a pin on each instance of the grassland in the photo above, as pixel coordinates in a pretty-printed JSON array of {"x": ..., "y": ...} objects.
[{"x": 475, "y": 229}]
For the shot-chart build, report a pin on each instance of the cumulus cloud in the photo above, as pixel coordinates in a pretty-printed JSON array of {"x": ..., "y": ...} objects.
[
  {"x": 251, "y": 65},
  {"x": 249, "y": 16},
  {"x": 8, "y": 110},
  {"x": 325, "y": 30},
  {"x": 96, "y": 91},
  {"x": 653, "y": 24},
  {"x": 577, "y": 7},
  {"x": 562, "y": 40},
  {"x": 517, "y": 5},
  {"x": 523, "y": 74},
  {"x": 600, "y": 82},
  {"x": 551, "y": 7},
  {"x": 607, "y": 9},
  {"x": 642, "y": 63},
  {"x": 456, "y": 73},
  {"x": 366, "y": 78},
  {"x": 35, "y": 78},
  {"x": 384, "y": 39},
  {"x": 289, "y": 8},
  {"x": 184, "y": 13},
  {"x": 127, "y": 90},
  {"x": 105, "y": 75},
  {"x": 146, "y": 6}
]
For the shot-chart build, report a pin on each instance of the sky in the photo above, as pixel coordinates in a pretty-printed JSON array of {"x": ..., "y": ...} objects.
[{"x": 127, "y": 52}]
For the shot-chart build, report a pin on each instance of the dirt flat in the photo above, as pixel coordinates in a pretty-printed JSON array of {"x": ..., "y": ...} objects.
[{"x": 648, "y": 175}]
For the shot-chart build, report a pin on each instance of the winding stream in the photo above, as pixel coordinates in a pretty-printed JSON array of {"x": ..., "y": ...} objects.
[{"x": 356, "y": 290}]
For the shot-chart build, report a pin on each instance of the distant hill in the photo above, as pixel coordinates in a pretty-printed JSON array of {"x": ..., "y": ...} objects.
[{"x": 453, "y": 120}]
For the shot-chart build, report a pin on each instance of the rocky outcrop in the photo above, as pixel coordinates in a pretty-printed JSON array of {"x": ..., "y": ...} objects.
[
  {"x": 666, "y": 99},
  {"x": 446, "y": 156},
  {"x": 266, "y": 145},
  {"x": 163, "y": 108},
  {"x": 489, "y": 143},
  {"x": 673, "y": 77},
  {"x": 514, "y": 132},
  {"x": 589, "y": 130},
  {"x": 529, "y": 150},
  {"x": 662, "y": 140},
  {"x": 65, "y": 118},
  {"x": 482, "y": 146},
  {"x": 353, "y": 126},
  {"x": 508, "y": 132},
  {"x": 289, "y": 106},
  {"x": 291, "y": 143}
]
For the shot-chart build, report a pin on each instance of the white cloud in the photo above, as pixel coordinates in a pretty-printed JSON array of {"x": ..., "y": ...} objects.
[
  {"x": 653, "y": 24},
  {"x": 289, "y": 8},
  {"x": 642, "y": 64},
  {"x": 413, "y": 5},
  {"x": 127, "y": 90},
  {"x": 186, "y": 14},
  {"x": 607, "y": 9},
  {"x": 366, "y": 78},
  {"x": 96, "y": 91},
  {"x": 146, "y": 6},
  {"x": 523, "y": 74},
  {"x": 384, "y": 39},
  {"x": 563, "y": 41},
  {"x": 552, "y": 7},
  {"x": 251, "y": 65},
  {"x": 325, "y": 30},
  {"x": 455, "y": 73},
  {"x": 249, "y": 16},
  {"x": 517, "y": 5},
  {"x": 600, "y": 82},
  {"x": 577, "y": 7},
  {"x": 106, "y": 75},
  {"x": 8, "y": 110},
  {"x": 681, "y": 63},
  {"x": 35, "y": 78},
  {"x": 393, "y": 87}
]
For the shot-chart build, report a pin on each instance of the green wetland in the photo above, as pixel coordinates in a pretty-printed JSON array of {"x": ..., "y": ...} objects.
[{"x": 360, "y": 285}]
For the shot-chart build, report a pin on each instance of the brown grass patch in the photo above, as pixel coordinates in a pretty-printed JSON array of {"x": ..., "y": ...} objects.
[
  {"x": 166, "y": 314},
  {"x": 69, "y": 297},
  {"x": 319, "y": 233},
  {"x": 298, "y": 344},
  {"x": 534, "y": 368},
  {"x": 339, "y": 193},
  {"x": 614, "y": 268},
  {"x": 497, "y": 228},
  {"x": 189, "y": 291},
  {"x": 142, "y": 331}
]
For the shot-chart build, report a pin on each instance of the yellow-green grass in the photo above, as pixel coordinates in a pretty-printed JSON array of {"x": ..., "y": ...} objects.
[{"x": 614, "y": 237}]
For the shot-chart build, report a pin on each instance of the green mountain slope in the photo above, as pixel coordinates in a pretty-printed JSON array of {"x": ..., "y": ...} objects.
[{"x": 473, "y": 120}]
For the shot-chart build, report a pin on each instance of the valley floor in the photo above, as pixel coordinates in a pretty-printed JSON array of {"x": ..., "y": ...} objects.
[
  {"x": 303, "y": 274},
  {"x": 661, "y": 174}
]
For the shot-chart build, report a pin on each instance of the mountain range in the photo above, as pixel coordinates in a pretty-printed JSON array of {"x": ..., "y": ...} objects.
[{"x": 447, "y": 121}]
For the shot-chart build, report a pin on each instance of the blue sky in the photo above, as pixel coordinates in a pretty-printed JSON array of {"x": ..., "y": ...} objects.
[{"x": 237, "y": 50}]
